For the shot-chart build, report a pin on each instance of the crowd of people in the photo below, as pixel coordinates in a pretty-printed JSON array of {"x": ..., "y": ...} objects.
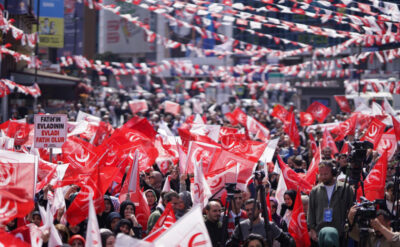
[{"x": 235, "y": 218}]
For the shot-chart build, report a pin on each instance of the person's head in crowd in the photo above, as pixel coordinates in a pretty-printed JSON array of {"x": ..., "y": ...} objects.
[
  {"x": 384, "y": 218},
  {"x": 108, "y": 205},
  {"x": 124, "y": 226},
  {"x": 254, "y": 240},
  {"x": 151, "y": 197},
  {"x": 319, "y": 134},
  {"x": 290, "y": 162},
  {"x": 77, "y": 241},
  {"x": 305, "y": 200},
  {"x": 389, "y": 189},
  {"x": 238, "y": 201},
  {"x": 289, "y": 197},
  {"x": 274, "y": 205},
  {"x": 127, "y": 209},
  {"x": 36, "y": 218},
  {"x": 173, "y": 198},
  {"x": 63, "y": 232},
  {"x": 249, "y": 206},
  {"x": 342, "y": 160},
  {"x": 298, "y": 163},
  {"x": 77, "y": 229},
  {"x": 185, "y": 203},
  {"x": 12, "y": 225},
  {"x": 107, "y": 238},
  {"x": 112, "y": 220},
  {"x": 326, "y": 153},
  {"x": 155, "y": 180},
  {"x": 326, "y": 175},
  {"x": 213, "y": 211}
]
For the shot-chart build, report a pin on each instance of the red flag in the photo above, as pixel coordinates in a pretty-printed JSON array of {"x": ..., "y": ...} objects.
[
  {"x": 327, "y": 141},
  {"x": 239, "y": 116},
  {"x": 207, "y": 153},
  {"x": 374, "y": 132},
  {"x": 132, "y": 187},
  {"x": 229, "y": 168},
  {"x": 166, "y": 220},
  {"x": 280, "y": 112},
  {"x": 138, "y": 106},
  {"x": 268, "y": 206},
  {"x": 343, "y": 103},
  {"x": 374, "y": 183},
  {"x": 292, "y": 179},
  {"x": 17, "y": 178},
  {"x": 238, "y": 144},
  {"x": 298, "y": 224},
  {"x": 95, "y": 184},
  {"x": 345, "y": 128},
  {"x": 79, "y": 152},
  {"x": 319, "y": 111},
  {"x": 141, "y": 125},
  {"x": 396, "y": 126},
  {"x": 291, "y": 130},
  {"x": 345, "y": 148},
  {"x": 7, "y": 239},
  {"x": 312, "y": 172},
  {"x": 306, "y": 119},
  {"x": 172, "y": 107},
  {"x": 388, "y": 143},
  {"x": 314, "y": 147}
]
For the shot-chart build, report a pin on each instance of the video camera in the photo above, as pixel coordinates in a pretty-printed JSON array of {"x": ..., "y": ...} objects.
[
  {"x": 367, "y": 211},
  {"x": 357, "y": 159},
  {"x": 230, "y": 189}
]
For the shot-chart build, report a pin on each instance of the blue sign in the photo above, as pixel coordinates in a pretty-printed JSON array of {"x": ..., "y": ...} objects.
[
  {"x": 50, "y": 8},
  {"x": 18, "y": 7},
  {"x": 73, "y": 29}
]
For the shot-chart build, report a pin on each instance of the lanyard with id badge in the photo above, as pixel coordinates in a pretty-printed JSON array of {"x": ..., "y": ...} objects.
[{"x": 328, "y": 212}]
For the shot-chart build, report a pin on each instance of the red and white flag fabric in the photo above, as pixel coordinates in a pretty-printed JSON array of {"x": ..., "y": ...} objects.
[
  {"x": 93, "y": 238},
  {"x": 343, "y": 103},
  {"x": 306, "y": 119},
  {"x": 396, "y": 127},
  {"x": 280, "y": 112},
  {"x": 166, "y": 220},
  {"x": 374, "y": 132},
  {"x": 95, "y": 184},
  {"x": 388, "y": 143},
  {"x": 131, "y": 190},
  {"x": 292, "y": 179},
  {"x": 240, "y": 145},
  {"x": 17, "y": 185},
  {"x": 291, "y": 130},
  {"x": 139, "y": 105},
  {"x": 327, "y": 141},
  {"x": 298, "y": 224},
  {"x": 374, "y": 183},
  {"x": 239, "y": 116},
  {"x": 318, "y": 111},
  {"x": 314, "y": 147},
  {"x": 9, "y": 240},
  {"x": 207, "y": 153},
  {"x": 190, "y": 230},
  {"x": 200, "y": 190},
  {"x": 172, "y": 107},
  {"x": 311, "y": 175}
]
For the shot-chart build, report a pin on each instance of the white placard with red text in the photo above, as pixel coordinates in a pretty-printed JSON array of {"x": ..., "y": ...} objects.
[{"x": 50, "y": 130}]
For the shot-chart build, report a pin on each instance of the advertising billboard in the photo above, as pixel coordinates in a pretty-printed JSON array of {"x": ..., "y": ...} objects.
[
  {"x": 73, "y": 28},
  {"x": 51, "y": 23},
  {"x": 119, "y": 36}
]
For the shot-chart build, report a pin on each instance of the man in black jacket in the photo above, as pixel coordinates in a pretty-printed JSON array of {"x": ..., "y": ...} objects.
[{"x": 213, "y": 224}]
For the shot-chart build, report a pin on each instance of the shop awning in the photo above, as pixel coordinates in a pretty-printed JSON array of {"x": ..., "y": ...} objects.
[{"x": 27, "y": 77}]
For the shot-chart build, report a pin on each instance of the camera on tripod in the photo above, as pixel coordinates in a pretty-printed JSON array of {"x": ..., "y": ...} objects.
[
  {"x": 367, "y": 209},
  {"x": 230, "y": 189},
  {"x": 357, "y": 159}
]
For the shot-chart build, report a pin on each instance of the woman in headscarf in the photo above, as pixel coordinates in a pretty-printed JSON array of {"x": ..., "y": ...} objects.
[
  {"x": 287, "y": 207},
  {"x": 127, "y": 211},
  {"x": 151, "y": 199},
  {"x": 108, "y": 208}
]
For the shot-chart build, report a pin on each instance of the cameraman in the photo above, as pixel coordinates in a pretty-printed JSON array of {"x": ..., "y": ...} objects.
[
  {"x": 255, "y": 224},
  {"x": 381, "y": 236}
]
